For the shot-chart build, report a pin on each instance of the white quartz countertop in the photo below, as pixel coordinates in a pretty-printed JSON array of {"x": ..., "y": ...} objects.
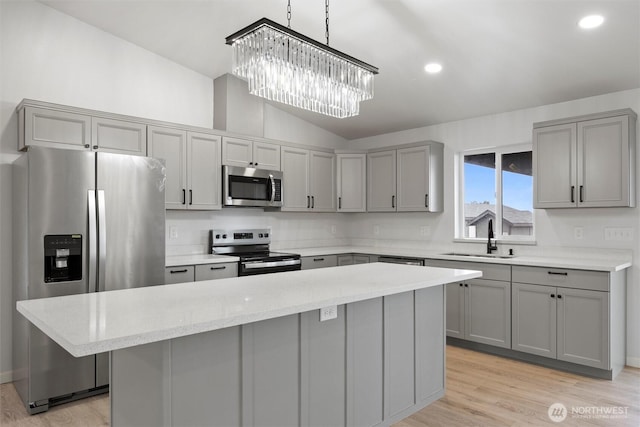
[
  {"x": 197, "y": 259},
  {"x": 603, "y": 262},
  {"x": 94, "y": 323}
]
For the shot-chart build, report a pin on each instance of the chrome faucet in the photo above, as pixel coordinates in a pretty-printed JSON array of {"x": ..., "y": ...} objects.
[{"x": 490, "y": 247}]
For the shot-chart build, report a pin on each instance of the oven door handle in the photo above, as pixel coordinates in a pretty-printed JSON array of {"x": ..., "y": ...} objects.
[{"x": 259, "y": 264}]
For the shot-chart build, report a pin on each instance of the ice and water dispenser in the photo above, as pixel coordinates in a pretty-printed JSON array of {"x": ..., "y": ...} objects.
[{"x": 62, "y": 258}]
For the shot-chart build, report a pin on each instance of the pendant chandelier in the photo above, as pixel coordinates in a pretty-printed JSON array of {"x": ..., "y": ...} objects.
[{"x": 285, "y": 66}]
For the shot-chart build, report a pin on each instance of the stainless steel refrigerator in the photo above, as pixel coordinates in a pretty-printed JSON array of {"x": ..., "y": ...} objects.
[{"x": 83, "y": 222}]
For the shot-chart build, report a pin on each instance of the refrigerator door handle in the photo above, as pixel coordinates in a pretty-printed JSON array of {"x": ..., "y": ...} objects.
[
  {"x": 93, "y": 240},
  {"x": 102, "y": 241}
]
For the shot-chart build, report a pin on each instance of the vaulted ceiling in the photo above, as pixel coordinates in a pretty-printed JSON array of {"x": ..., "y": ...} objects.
[{"x": 497, "y": 55}]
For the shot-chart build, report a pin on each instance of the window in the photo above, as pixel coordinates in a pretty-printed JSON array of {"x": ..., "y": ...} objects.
[{"x": 496, "y": 185}]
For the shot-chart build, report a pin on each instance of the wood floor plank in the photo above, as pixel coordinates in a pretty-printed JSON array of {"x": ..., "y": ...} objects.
[{"x": 482, "y": 390}]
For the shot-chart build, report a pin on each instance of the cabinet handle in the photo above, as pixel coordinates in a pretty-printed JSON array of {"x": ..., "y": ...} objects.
[
  {"x": 318, "y": 259},
  {"x": 313, "y": 202},
  {"x": 184, "y": 196},
  {"x": 250, "y": 163},
  {"x": 559, "y": 296},
  {"x": 178, "y": 271},
  {"x": 255, "y": 164},
  {"x": 553, "y": 295},
  {"x": 558, "y": 273},
  {"x": 573, "y": 194},
  {"x": 581, "y": 193},
  {"x": 461, "y": 284},
  {"x": 218, "y": 268},
  {"x": 393, "y": 201},
  {"x": 190, "y": 197},
  {"x": 426, "y": 200},
  {"x": 339, "y": 202},
  {"x": 87, "y": 146},
  {"x": 466, "y": 285},
  {"x": 308, "y": 202},
  {"x": 95, "y": 147}
]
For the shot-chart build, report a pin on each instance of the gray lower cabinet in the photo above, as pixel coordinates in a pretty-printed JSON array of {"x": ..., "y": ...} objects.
[
  {"x": 216, "y": 271},
  {"x": 379, "y": 361},
  {"x": 568, "y": 323},
  {"x": 310, "y": 262},
  {"x": 479, "y": 310},
  {"x": 351, "y": 259},
  {"x": 179, "y": 274}
]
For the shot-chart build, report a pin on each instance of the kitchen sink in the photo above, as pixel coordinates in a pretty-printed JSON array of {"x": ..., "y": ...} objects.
[{"x": 478, "y": 255}]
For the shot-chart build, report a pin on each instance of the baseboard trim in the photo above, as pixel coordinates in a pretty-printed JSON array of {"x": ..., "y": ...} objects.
[
  {"x": 634, "y": 362},
  {"x": 6, "y": 377}
]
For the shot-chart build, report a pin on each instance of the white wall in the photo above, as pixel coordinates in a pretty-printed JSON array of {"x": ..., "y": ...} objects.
[
  {"x": 49, "y": 56},
  {"x": 553, "y": 227}
]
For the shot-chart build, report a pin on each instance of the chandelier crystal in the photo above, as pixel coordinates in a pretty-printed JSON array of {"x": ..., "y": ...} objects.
[{"x": 285, "y": 66}]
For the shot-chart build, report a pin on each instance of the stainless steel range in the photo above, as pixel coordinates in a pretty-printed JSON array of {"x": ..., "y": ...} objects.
[{"x": 252, "y": 246}]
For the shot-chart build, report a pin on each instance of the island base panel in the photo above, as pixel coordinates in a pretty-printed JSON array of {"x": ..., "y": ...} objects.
[{"x": 379, "y": 361}]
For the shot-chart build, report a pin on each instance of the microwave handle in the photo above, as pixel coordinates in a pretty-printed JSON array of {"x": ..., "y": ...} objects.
[{"x": 273, "y": 188}]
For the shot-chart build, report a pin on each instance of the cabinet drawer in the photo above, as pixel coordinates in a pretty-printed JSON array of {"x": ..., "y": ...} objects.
[
  {"x": 489, "y": 271},
  {"x": 179, "y": 274},
  {"x": 310, "y": 262},
  {"x": 577, "y": 279},
  {"x": 216, "y": 271}
]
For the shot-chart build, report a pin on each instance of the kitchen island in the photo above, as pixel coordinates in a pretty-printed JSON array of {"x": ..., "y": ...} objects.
[{"x": 355, "y": 345}]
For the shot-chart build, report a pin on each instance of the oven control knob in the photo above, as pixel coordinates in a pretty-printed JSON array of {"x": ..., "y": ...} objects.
[
  {"x": 217, "y": 236},
  {"x": 224, "y": 236},
  {"x": 266, "y": 234},
  {"x": 260, "y": 235}
]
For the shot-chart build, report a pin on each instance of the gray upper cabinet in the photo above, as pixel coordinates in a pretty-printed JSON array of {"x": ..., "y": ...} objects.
[
  {"x": 309, "y": 180},
  {"x": 409, "y": 179},
  {"x": 586, "y": 161},
  {"x": 118, "y": 136},
  {"x": 352, "y": 182},
  {"x": 193, "y": 167},
  {"x": 66, "y": 128},
  {"x": 381, "y": 181},
  {"x": 250, "y": 154}
]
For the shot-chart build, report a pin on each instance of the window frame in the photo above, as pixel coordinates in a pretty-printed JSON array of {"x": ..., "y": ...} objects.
[{"x": 459, "y": 188}]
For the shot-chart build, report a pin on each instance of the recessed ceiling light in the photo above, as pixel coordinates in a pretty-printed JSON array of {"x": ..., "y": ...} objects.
[
  {"x": 591, "y": 21},
  {"x": 433, "y": 68}
]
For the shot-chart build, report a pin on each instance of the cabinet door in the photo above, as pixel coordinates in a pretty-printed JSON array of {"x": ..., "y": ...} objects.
[
  {"x": 117, "y": 136},
  {"x": 413, "y": 179},
  {"x": 554, "y": 166},
  {"x": 216, "y": 271},
  {"x": 345, "y": 260},
  {"x": 533, "y": 321},
  {"x": 488, "y": 312},
  {"x": 322, "y": 181},
  {"x": 351, "y": 181},
  {"x": 180, "y": 274},
  {"x": 170, "y": 145},
  {"x": 237, "y": 152},
  {"x": 381, "y": 181},
  {"x": 583, "y": 327},
  {"x": 603, "y": 162},
  {"x": 203, "y": 171},
  {"x": 311, "y": 262},
  {"x": 295, "y": 168},
  {"x": 266, "y": 156},
  {"x": 455, "y": 310},
  {"x": 56, "y": 129}
]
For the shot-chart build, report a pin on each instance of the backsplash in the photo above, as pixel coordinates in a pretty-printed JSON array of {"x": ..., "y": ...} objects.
[{"x": 289, "y": 229}]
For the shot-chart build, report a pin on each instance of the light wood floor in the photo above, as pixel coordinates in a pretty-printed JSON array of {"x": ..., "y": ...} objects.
[{"x": 482, "y": 390}]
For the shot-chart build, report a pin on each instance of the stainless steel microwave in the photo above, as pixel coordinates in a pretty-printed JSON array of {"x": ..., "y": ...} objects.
[{"x": 251, "y": 187}]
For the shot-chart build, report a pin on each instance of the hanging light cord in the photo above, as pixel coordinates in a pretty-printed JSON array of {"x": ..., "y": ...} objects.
[
  {"x": 326, "y": 20},
  {"x": 289, "y": 14}
]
